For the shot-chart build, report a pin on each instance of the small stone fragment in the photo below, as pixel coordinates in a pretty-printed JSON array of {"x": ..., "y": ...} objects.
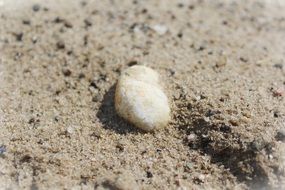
[
  {"x": 149, "y": 174},
  {"x": 160, "y": 29},
  {"x": 278, "y": 66},
  {"x": 19, "y": 36},
  {"x": 87, "y": 23},
  {"x": 139, "y": 98},
  {"x": 234, "y": 122},
  {"x": 180, "y": 35},
  {"x": 36, "y": 7},
  {"x": 279, "y": 92},
  {"x": 66, "y": 72},
  {"x": 70, "y": 130},
  {"x": 60, "y": 45},
  {"x": 2, "y": 149},
  {"x": 26, "y": 22},
  {"x": 280, "y": 135}
]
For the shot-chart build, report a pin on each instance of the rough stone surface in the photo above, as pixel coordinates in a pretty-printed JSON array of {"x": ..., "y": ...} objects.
[{"x": 140, "y": 99}]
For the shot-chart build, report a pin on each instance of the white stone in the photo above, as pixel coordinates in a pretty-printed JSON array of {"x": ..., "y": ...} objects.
[{"x": 140, "y": 99}]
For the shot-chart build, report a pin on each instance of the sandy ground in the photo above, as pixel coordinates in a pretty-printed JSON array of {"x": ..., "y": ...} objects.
[{"x": 222, "y": 63}]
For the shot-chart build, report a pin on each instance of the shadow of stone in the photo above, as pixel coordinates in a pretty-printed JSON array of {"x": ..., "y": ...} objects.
[
  {"x": 239, "y": 159},
  {"x": 225, "y": 147},
  {"x": 108, "y": 116}
]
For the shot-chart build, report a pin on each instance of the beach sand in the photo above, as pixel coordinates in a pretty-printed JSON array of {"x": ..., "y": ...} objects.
[{"x": 222, "y": 63}]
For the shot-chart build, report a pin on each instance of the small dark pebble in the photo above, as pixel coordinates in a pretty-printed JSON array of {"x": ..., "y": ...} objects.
[
  {"x": 203, "y": 96},
  {"x": 57, "y": 92},
  {"x": 67, "y": 24},
  {"x": 132, "y": 27},
  {"x": 278, "y": 66},
  {"x": 26, "y": 22},
  {"x": 144, "y": 11},
  {"x": 19, "y": 36},
  {"x": 191, "y": 7},
  {"x": 85, "y": 40},
  {"x": 149, "y": 174},
  {"x": 118, "y": 70},
  {"x": 18, "y": 55},
  {"x": 66, "y": 72},
  {"x": 26, "y": 158},
  {"x": 58, "y": 20},
  {"x": 243, "y": 59},
  {"x": 158, "y": 150},
  {"x": 95, "y": 12},
  {"x": 93, "y": 84},
  {"x": 172, "y": 72},
  {"x": 2, "y": 149},
  {"x": 81, "y": 76},
  {"x": 120, "y": 147},
  {"x": 70, "y": 52},
  {"x": 36, "y": 7},
  {"x": 145, "y": 53},
  {"x": 225, "y": 22},
  {"x": 276, "y": 114},
  {"x": 56, "y": 118},
  {"x": 60, "y": 45},
  {"x": 180, "y": 35},
  {"x": 87, "y": 23},
  {"x": 32, "y": 120},
  {"x": 234, "y": 122},
  {"x": 132, "y": 63},
  {"x": 201, "y": 48},
  {"x": 26, "y": 71},
  {"x": 280, "y": 136}
]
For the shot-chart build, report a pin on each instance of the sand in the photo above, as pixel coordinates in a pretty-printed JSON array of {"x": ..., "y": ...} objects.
[{"x": 222, "y": 64}]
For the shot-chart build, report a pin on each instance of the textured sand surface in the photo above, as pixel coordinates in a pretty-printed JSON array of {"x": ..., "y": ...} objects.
[{"x": 223, "y": 69}]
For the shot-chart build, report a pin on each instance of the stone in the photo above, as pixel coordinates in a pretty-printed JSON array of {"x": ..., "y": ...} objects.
[{"x": 140, "y": 99}]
